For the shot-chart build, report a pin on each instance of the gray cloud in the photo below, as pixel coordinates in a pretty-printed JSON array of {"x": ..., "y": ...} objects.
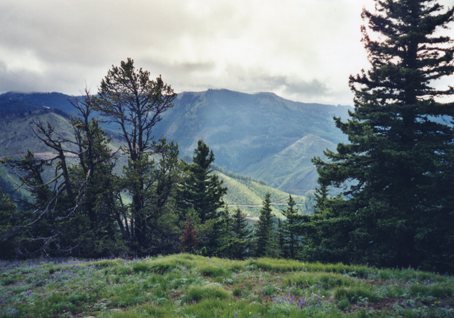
[
  {"x": 14, "y": 80},
  {"x": 295, "y": 48},
  {"x": 308, "y": 88}
]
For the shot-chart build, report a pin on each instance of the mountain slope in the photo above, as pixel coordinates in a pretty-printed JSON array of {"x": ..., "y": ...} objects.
[
  {"x": 17, "y": 136},
  {"x": 292, "y": 167},
  {"x": 23, "y": 103},
  {"x": 248, "y": 131},
  {"x": 259, "y": 135},
  {"x": 248, "y": 194}
]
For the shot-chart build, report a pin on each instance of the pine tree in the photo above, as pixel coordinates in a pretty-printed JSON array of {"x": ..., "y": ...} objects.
[
  {"x": 292, "y": 238},
  {"x": 8, "y": 216},
  {"x": 282, "y": 239},
  {"x": 396, "y": 209},
  {"x": 36, "y": 231},
  {"x": 264, "y": 229},
  {"x": 134, "y": 102},
  {"x": 163, "y": 222},
  {"x": 239, "y": 242},
  {"x": 93, "y": 175},
  {"x": 202, "y": 191}
]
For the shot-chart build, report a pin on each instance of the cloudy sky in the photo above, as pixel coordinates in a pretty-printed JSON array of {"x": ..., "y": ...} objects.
[{"x": 299, "y": 49}]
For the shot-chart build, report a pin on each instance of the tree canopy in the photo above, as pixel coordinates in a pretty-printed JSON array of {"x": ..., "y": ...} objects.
[{"x": 396, "y": 170}]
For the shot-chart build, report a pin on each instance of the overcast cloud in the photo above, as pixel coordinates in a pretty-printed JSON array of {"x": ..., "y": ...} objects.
[{"x": 300, "y": 49}]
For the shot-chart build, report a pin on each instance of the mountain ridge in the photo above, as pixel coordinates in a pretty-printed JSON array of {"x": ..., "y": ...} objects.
[
  {"x": 248, "y": 132},
  {"x": 245, "y": 129}
]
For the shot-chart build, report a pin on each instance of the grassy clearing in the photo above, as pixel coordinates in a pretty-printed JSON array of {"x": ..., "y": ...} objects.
[{"x": 193, "y": 286}]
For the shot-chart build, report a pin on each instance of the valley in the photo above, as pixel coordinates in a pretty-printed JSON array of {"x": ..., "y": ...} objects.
[{"x": 262, "y": 143}]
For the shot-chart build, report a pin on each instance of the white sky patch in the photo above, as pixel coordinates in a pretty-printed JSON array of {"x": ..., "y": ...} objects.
[
  {"x": 16, "y": 60},
  {"x": 300, "y": 49}
]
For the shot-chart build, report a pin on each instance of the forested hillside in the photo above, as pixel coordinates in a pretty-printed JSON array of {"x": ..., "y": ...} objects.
[
  {"x": 103, "y": 175},
  {"x": 134, "y": 200},
  {"x": 262, "y": 136},
  {"x": 252, "y": 134}
]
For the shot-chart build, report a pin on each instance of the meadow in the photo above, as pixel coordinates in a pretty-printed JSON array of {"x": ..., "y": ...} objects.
[{"x": 187, "y": 285}]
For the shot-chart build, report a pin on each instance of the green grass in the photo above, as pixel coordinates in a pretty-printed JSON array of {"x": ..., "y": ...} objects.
[
  {"x": 198, "y": 293},
  {"x": 319, "y": 280},
  {"x": 187, "y": 285}
]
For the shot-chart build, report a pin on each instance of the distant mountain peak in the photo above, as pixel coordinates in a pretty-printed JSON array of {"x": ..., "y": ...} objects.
[{"x": 262, "y": 135}]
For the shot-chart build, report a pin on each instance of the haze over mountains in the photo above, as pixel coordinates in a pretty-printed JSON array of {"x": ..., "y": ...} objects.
[{"x": 261, "y": 135}]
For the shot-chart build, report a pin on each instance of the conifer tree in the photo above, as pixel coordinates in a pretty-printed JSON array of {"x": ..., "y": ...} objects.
[
  {"x": 134, "y": 102},
  {"x": 240, "y": 236},
  {"x": 264, "y": 229},
  {"x": 202, "y": 191},
  {"x": 94, "y": 176},
  {"x": 282, "y": 239},
  {"x": 72, "y": 212},
  {"x": 40, "y": 228},
  {"x": 290, "y": 227},
  {"x": 8, "y": 216},
  {"x": 396, "y": 208}
]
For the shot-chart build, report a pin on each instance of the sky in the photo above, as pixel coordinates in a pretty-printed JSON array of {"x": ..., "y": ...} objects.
[{"x": 299, "y": 49}]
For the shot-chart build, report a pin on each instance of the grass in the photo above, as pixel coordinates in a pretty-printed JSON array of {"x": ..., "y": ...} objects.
[
  {"x": 193, "y": 286},
  {"x": 198, "y": 293},
  {"x": 319, "y": 280}
]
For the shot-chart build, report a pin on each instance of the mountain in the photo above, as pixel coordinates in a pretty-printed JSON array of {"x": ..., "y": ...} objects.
[
  {"x": 13, "y": 103},
  {"x": 261, "y": 135},
  {"x": 247, "y": 194},
  {"x": 16, "y": 131},
  {"x": 292, "y": 167}
]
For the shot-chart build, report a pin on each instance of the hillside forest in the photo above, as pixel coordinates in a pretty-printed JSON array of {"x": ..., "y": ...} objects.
[{"x": 384, "y": 195}]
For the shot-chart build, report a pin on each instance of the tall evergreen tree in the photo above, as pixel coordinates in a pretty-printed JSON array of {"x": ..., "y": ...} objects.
[
  {"x": 8, "y": 216},
  {"x": 202, "y": 191},
  {"x": 264, "y": 229},
  {"x": 292, "y": 239},
  {"x": 396, "y": 210},
  {"x": 240, "y": 236},
  {"x": 282, "y": 236}
]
